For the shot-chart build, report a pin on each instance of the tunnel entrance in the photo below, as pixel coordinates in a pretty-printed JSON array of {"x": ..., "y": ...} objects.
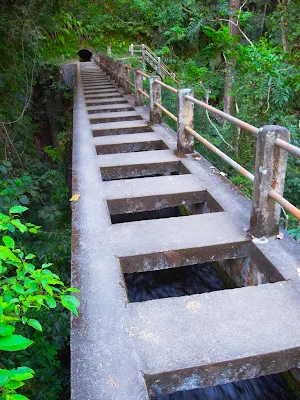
[{"x": 84, "y": 55}]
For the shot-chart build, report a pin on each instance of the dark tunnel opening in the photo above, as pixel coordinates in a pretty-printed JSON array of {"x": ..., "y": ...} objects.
[{"x": 84, "y": 55}]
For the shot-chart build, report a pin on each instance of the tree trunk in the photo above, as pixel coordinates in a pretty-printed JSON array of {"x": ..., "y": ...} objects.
[
  {"x": 228, "y": 98},
  {"x": 263, "y": 19},
  {"x": 284, "y": 5}
]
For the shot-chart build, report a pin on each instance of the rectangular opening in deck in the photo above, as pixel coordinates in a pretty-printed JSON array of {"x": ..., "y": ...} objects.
[
  {"x": 161, "y": 206},
  {"x": 131, "y": 147},
  {"x": 103, "y": 103},
  {"x": 121, "y": 131},
  {"x": 274, "y": 386},
  {"x": 110, "y": 110},
  {"x": 174, "y": 282},
  {"x": 229, "y": 266},
  {"x": 104, "y": 96},
  {"x": 93, "y": 91},
  {"x": 143, "y": 170},
  {"x": 88, "y": 85},
  {"x": 116, "y": 119}
]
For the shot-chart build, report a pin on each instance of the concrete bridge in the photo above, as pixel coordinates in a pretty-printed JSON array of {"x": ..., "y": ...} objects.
[{"x": 129, "y": 171}]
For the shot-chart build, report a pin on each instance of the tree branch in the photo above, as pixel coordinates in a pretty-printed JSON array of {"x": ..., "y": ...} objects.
[
  {"x": 236, "y": 25},
  {"x": 210, "y": 121}
]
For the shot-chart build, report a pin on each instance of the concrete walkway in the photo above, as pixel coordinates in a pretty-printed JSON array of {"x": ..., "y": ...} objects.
[{"x": 124, "y": 168}]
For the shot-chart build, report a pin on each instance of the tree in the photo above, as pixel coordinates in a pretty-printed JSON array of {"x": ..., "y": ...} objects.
[{"x": 230, "y": 62}]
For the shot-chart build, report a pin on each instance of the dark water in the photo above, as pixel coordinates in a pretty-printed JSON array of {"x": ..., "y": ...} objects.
[{"x": 191, "y": 280}]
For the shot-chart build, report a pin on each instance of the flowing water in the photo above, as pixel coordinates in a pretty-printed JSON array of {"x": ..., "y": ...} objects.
[{"x": 191, "y": 280}]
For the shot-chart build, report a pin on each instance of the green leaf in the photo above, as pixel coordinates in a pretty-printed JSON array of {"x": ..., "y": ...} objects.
[
  {"x": 5, "y": 254},
  {"x": 6, "y": 330},
  {"x": 14, "y": 343},
  {"x": 30, "y": 256},
  {"x": 24, "y": 199},
  {"x": 17, "y": 209},
  {"x": 21, "y": 374},
  {"x": 9, "y": 242},
  {"x": 49, "y": 290},
  {"x": 46, "y": 265},
  {"x": 22, "y": 228},
  {"x": 11, "y": 228},
  {"x": 72, "y": 289},
  {"x": 71, "y": 303},
  {"x": 12, "y": 385},
  {"x": 18, "y": 397},
  {"x": 4, "y": 376},
  {"x": 35, "y": 324},
  {"x": 50, "y": 301}
]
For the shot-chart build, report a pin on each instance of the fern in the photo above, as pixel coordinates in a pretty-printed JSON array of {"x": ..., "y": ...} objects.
[{"x": 194, "y": 29}]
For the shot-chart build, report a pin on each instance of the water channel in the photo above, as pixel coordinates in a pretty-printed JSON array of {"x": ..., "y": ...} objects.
[{"x": 200, "y": 279}]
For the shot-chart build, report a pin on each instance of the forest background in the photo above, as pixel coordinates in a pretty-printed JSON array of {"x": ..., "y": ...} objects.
[{"x": 242, "y": 57}]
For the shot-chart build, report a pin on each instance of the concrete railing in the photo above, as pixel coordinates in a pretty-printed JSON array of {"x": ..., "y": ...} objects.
[
  {"x": 147, "y": 55},
  {"x": 272, "y": 146}
]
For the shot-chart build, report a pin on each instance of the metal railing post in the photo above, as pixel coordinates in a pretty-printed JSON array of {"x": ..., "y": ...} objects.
[
  {"x": 155, "y": 97},
  {"x": 270, "y": 168},
  {"x": 185, "y": 117},
  {"x": 127, "y": 89},
  {"x": 138, "y": 85}
]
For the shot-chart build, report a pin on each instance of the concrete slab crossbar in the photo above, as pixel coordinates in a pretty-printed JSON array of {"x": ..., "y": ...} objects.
[{"x": 131, "y": 351}]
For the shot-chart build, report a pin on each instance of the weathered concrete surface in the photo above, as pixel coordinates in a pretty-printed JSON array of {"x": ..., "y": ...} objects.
[
  {"x": 185, "y": 117},
  {"x": 67, "y": 73},
  {"x": 155, "y": 97},
  {"x": 118, "y": 349},
  {"x": 108, "y": 106},
  {"x": 99, "y": 342},
  {"x": 153, "y": 186},
  {"x": 115, "y": 93},
  {"x": 235, "y": 334},
  {"x": 160, "y": 244},
  {"x": 270, "y": 168},
  {"x": 117, "y": 114},
  {"x": 105, "y": 100},
  {"x": 121, "y": 125}
]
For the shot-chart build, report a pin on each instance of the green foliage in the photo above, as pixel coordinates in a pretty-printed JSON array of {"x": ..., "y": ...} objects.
[
  {"x": 57, "y": 154},
  {"x": 194, "y": 39},
  {"x": 25, "y": 290}
]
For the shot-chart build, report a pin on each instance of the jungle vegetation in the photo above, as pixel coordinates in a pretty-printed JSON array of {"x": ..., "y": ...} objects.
[{"x": 242, "y": 57}]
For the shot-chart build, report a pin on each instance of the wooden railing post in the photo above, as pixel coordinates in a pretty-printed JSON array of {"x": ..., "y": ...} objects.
[
  {"x": 270, "y": 168},
  {"x": 155, "y": 97},
  {"x": 108, "y": 50},
  {"x": 185, "y": 117},
  {"x": 127, "y": 89},
  {"x": 138, "y": 85}
]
